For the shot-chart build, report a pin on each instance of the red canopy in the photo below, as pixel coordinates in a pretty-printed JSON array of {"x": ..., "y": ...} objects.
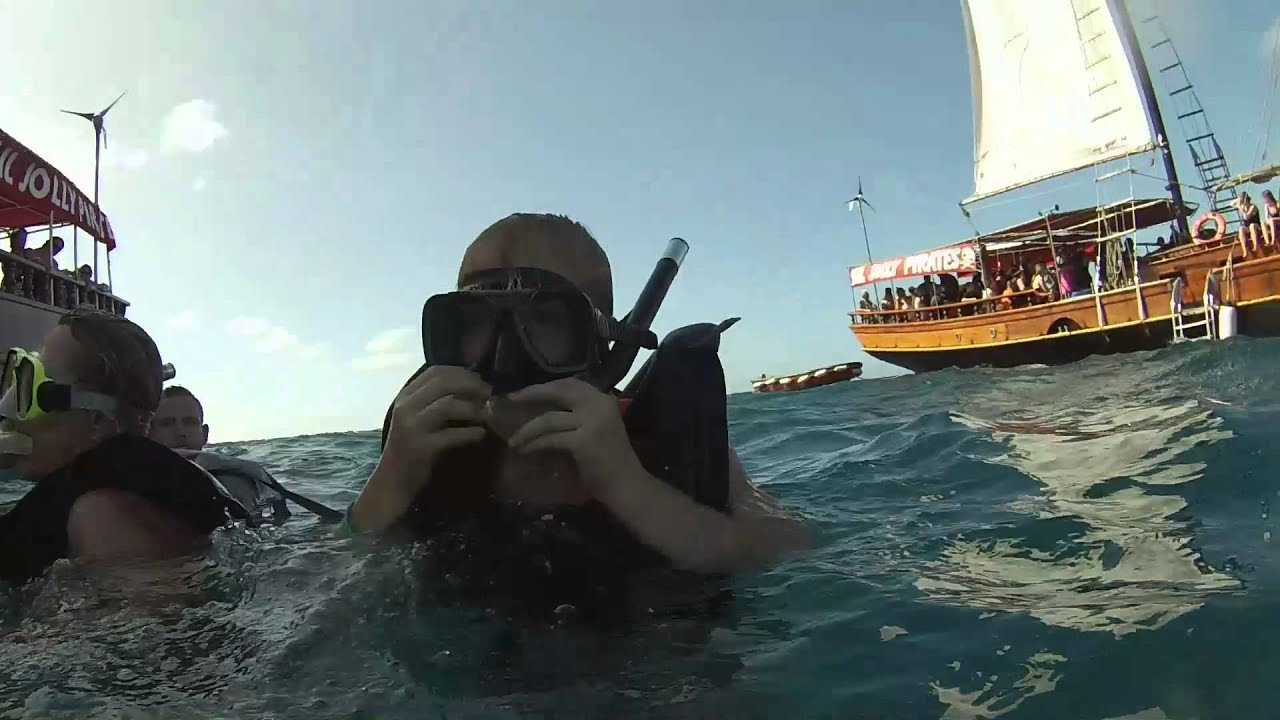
[
  {"x": 33, "y": 192},
  {"x": 957, "y": 259}
]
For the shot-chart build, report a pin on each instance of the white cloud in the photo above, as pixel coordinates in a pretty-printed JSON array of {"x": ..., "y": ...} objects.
[
  {"x": 269, "y": 339},
  {"x": 390, "y": 340},
  {"x": 247, "y": 326},
  {"x": 385, "y": 361},
  {"x": 388, "y": 350},
  {"x": 185, "y": 320},
  {"x": 199, "y": 184},
  {"x": 191, "y": 127},
  {"x": 275, "y": 339},
  {"x": 124, "y": 157}
]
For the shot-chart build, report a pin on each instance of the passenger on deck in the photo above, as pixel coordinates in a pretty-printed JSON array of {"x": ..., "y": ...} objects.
[
  {"x": 1270, "y": 218},
  {"x": 42, "y": 255},
  {"x": 867, "y": 305},
  {"x": 1006, "y": 295},
  {"x": 74, "y": 423},
  {"x": 1065, "y": 277},
  {"x": 1250, "y": 224},
  {"x": 902, "y": 302},
  {"x": 1044, "y": 282},
  {"x": 887, "y": 304},
  {"x": 1023, "y": 281},
  {"x": 13, "y": 272},
  {"x": 972, "y": 290},
  {"x": 18, "y": 241},
  {"x": 514, "y": 456}
]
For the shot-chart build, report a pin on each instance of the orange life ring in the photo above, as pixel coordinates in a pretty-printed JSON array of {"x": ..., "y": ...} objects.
[{"x": 1219, "y": 221}]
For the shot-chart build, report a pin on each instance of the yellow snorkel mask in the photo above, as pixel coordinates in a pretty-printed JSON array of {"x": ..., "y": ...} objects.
[{"x": 27, "y": 392}]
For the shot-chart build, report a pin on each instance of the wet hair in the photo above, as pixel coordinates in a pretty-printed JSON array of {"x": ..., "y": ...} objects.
[
  {"x": 520, "y": 238},
  {"x": 119, "y": 358},
  {"x": 179, "y": 391}
]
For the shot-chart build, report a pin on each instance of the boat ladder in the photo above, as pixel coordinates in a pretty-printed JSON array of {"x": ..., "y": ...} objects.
[
  {"x": 1183, "y": 101},
  {"x": 1196, "y": 321}
]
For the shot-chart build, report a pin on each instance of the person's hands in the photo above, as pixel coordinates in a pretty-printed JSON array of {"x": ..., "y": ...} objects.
[
  {"x": 587, "y": 425},
  {"x": 440, "y": 409}
]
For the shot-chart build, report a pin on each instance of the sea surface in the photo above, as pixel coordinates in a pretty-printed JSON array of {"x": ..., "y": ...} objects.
[{"x": 1089, "y": 541}]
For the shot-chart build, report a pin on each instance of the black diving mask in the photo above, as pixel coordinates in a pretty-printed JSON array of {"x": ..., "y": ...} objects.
[
  {"x": 518, "y": 327},
  {"x": 525, "y": 326}
]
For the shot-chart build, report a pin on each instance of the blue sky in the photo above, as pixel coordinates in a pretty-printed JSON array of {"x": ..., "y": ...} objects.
[{"x": 290, "y": 180}]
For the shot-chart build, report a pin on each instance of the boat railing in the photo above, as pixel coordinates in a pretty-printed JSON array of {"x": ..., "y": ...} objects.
[
  {"x": 1185, "y": 249},
  {"x": 995, "y": 304},
  {"x": 59, "y": 289}
]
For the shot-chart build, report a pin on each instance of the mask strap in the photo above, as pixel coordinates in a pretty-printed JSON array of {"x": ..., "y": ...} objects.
[{"x": 92, "y": 400}]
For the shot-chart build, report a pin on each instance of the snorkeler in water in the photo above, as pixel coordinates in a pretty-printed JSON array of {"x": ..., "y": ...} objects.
[
  {"x": 73, "y": 420},
  {"x": 179, "y": 425},
  {"x": 516, "y": 408}
]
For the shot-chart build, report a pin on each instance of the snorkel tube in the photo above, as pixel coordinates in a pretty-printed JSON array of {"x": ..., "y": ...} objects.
[{"x": 622, "y": 356}]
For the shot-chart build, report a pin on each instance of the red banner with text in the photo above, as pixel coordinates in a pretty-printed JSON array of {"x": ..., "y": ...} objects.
[
  {"x": 33, "y": 192},
  {"x": 959, "y": 259}
]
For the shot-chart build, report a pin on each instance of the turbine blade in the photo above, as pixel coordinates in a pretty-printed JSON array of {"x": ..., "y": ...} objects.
[
  {"x": 86, "y": 116},
  {"x": 869, "y": 205},
  {"x": 113, "y": 103}
]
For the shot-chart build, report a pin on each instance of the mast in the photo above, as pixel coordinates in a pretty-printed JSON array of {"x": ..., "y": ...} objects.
[
  {"x": 861, "y": 200},
  {"x": 866, "y": 240},
  {"x": 1130, "y": 40},
  {"x": 99, "y": 142}
]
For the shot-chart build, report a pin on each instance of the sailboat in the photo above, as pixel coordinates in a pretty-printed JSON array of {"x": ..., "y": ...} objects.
[{"x": 1061, "y": 86}]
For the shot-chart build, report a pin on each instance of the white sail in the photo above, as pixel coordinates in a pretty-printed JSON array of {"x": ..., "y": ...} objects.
[{"x": 1054, "y": 90}]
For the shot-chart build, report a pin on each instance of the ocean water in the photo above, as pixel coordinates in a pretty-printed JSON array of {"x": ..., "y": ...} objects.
[{"x": 1090, "y": 541}]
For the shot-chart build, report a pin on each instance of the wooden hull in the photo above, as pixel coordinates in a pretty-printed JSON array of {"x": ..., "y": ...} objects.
[
  {"x": 811, "y": 379},
  {"x": 1049, "y": 350},
  {"x": 1069, "y": 330},
  {"x": 1136, "y": 318}
]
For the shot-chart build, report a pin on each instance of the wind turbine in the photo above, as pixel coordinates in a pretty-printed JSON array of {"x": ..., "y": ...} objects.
[
  {"x": 99, "y": 134},
  {"x": 860, "y": 199}
]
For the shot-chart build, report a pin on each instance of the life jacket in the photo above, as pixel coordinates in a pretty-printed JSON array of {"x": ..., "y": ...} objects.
[
  {"x": 674, "y": 410},
  {"x": 248, "y": 482},
  {"x": 33, "y": 534}
]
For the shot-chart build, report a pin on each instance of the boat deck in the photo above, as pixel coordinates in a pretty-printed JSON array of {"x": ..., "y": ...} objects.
[{"x": 35, "y": 284}]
